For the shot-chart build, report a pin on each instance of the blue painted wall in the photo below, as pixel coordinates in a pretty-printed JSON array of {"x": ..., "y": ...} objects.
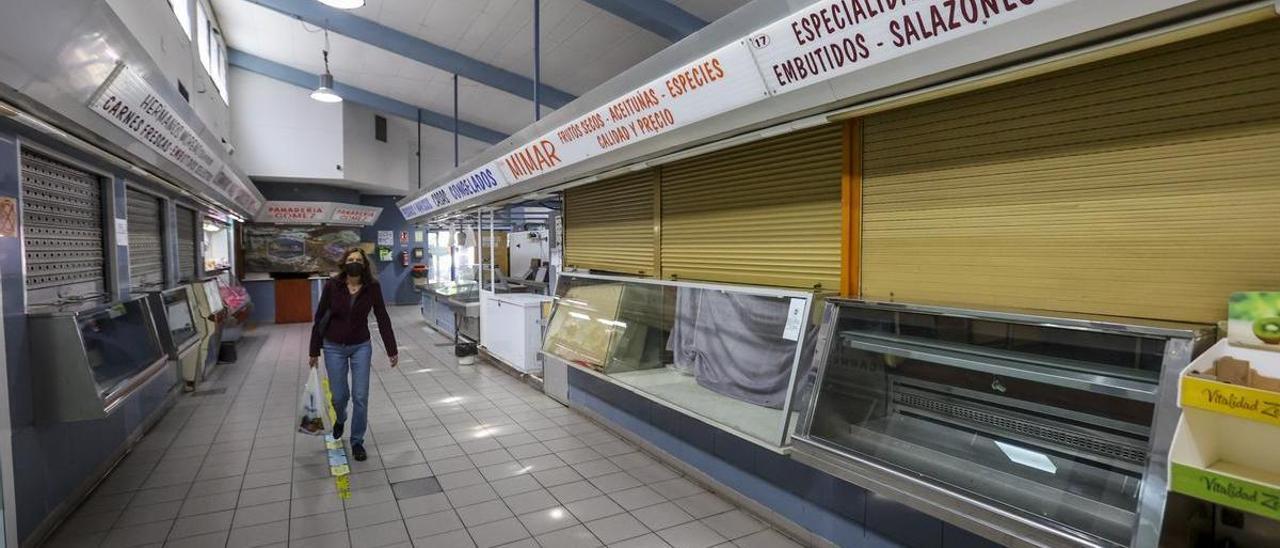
[
  {"x": 395, "y": 279},
  {"x": 307, "y": 192},
  {"x": 836, "y": 510},
  {"x": 51, "y": 461}
]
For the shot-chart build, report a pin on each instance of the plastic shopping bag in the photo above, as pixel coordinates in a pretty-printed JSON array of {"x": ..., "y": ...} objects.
[{"x": 312, "y": 406}]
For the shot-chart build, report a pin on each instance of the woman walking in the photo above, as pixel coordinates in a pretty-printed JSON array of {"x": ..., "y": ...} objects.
[{"x": 342, "y": 329}]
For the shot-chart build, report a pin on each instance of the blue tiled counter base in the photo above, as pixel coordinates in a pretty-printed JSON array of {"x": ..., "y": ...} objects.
[{"x": 832, "y": 508}]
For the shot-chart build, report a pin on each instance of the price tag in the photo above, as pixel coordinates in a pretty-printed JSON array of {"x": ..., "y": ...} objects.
[{"x": 795, "y": 320}]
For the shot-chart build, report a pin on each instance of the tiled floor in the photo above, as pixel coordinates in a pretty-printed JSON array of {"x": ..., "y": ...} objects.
[{"x": 458, "y": 456}]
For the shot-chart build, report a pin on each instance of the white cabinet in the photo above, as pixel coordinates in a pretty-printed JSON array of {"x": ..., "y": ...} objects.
[{"x": 512, "y": 328}]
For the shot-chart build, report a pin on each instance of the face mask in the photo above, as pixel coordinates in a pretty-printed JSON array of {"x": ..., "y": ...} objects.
[{"x": 353, "y": 269}]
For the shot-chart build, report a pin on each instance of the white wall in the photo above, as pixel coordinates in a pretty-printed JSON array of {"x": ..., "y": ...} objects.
[
  {"x": 152, "y": 23},
  {"x": 280, "y": 132},
  {"x": 387, "y": 166}
]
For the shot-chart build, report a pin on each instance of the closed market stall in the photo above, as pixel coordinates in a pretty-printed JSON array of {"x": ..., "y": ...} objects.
[
  {"x": 609, "y": 225},
  {"x": 187, "y": 249},
  {"x": 146, "y": 258},
  {"x": 62, "y": 214},
  {"x": 1141, "y": 186},
  {"x": 765, "y": 213}
]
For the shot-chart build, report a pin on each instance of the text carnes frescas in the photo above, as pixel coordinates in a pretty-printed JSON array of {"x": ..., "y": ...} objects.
[
  {"x": 642, "y": 113},
  {"x": 839, "y": 35},
  {"x": 155, "y": 125}
]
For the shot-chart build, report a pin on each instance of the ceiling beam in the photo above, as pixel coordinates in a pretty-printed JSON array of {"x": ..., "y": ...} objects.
[
  {"x": 657, "y": 16},
  {"x": 417, "y": 49},
  {"x": 396, "y": 107}
]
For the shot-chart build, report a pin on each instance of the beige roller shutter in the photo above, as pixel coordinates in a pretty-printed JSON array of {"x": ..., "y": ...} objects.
[
  {"x": 763, "y": 213},
  {"x": 1146, "y": 185},
  {"x": 609, "y": 225}
]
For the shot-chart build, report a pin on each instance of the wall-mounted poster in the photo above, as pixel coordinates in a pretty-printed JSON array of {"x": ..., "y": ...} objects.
[{"x": 297, "y": 248}]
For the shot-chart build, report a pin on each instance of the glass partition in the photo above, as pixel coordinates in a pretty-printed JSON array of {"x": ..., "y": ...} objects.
[
  {"x": 181, "y": 322},
  {"x": 119, "y": 343},
  {"x": 724, "y": 354}
]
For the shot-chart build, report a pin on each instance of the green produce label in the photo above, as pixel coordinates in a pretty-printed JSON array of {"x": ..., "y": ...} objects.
[{"x": 1242, "y": 495}]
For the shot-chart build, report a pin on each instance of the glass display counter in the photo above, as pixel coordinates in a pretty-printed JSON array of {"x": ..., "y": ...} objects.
[
  {"x": 1022, "y": 427},
  {"x": 726, "y": 355},
  {"x": 453, "y": 308},
  {"x": 92, "y": 361},
  {"x": 179, "y": 336}
]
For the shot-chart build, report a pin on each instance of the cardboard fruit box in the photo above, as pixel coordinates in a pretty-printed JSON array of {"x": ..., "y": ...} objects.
[{"x": 1236, "y": 381}]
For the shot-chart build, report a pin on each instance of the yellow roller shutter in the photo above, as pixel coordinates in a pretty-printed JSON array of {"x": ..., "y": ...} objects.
[
  {"x": 762, "y": 213},
  {"x": 609, "y": 225},
  {"x": 1146, "y": 185}
]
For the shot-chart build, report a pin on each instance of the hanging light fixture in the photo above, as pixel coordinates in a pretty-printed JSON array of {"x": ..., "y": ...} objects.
[
  {"x": 325, "y": 93},
  {"x": 344, "y": 4}
]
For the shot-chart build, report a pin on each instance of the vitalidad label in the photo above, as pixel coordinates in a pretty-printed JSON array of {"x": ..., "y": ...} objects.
[
  {"x": 1242, "y": 495},
  {"x": 1237, "y": 401}
]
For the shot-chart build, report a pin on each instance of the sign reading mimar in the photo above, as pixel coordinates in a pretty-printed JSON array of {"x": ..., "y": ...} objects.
[{"x": 824, "y": 40}]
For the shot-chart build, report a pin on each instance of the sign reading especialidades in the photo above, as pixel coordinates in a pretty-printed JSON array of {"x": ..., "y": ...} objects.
[
  {"x": 826, "y": 39},
  {"x": 129, "y": 103}
]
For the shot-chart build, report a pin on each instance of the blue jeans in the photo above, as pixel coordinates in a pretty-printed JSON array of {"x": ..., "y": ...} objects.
[{"x": 355, "y": 358}]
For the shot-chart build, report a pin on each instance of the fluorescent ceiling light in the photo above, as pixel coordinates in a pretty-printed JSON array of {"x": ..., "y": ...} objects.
[{"x": 344, "y": 4}]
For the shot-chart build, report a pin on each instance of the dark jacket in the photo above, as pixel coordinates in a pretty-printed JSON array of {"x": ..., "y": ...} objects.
[{"x": 349, "y": 324}]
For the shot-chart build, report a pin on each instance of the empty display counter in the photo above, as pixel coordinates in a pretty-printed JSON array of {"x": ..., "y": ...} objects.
[
  {"x": 725, "y": 355},
  {"x": 1026, "y": 428},
  {"x": 90, "y": 362},
  {"x": 179, "y": 334}
]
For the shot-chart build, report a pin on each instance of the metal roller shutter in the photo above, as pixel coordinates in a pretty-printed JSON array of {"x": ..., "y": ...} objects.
[
  {"x": 146, "y": 260},
  {"x": 609, "y": 225},
  {"x": 62, "y": 231},
  {"x": 762, "y": 213},
  {"x": 1141, "y": 186},
  {"x": 187, "y": 244}
]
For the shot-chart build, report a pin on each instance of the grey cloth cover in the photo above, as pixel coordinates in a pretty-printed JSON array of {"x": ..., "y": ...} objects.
[{"x": 733, "y": 344}]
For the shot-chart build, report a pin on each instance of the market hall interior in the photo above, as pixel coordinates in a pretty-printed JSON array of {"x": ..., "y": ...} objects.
[{"x": 671, "y": 273}]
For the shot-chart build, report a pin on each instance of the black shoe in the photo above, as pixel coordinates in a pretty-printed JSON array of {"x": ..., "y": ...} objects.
[
  {"x": 337, "y": 430},
  {"x": 358, "y": 451}
]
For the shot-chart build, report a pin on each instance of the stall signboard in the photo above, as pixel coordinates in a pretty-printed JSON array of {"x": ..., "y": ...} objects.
[
  {"x": 314, "y": 213},
  {"x": 296, "y": 212},
  {"x": 128, "y": 102},
  {"x": 836, "y": 37},
  {"x": 824, "y": 40},
  {"x": 482, "y": 180},
  {"x": 721, "y": 81},
  {"x": 355, "y": 214}
]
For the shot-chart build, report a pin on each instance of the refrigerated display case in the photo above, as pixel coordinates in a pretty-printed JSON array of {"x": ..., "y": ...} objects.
[
  {"x": 209, "y": 305},
  {"x": 172, "y": 313},
  {"x": 90, "y": 362},
  {"x": 726, "y": 355},
  {"x": 1026, "y": 428}
]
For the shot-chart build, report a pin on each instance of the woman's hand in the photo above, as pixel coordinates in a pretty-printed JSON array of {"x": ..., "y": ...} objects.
[
  {"x": 314, "y": 361},
  {"x": 395, "y": 359}
]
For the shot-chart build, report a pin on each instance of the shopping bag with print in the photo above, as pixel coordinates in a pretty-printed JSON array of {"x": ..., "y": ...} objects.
[{"x": 312, "y": 406}]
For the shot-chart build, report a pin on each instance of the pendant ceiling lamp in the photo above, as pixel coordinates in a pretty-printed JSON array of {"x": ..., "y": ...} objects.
[
  {"x": 344, "y": 4},
  {"x": 324, "y": 93}
]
